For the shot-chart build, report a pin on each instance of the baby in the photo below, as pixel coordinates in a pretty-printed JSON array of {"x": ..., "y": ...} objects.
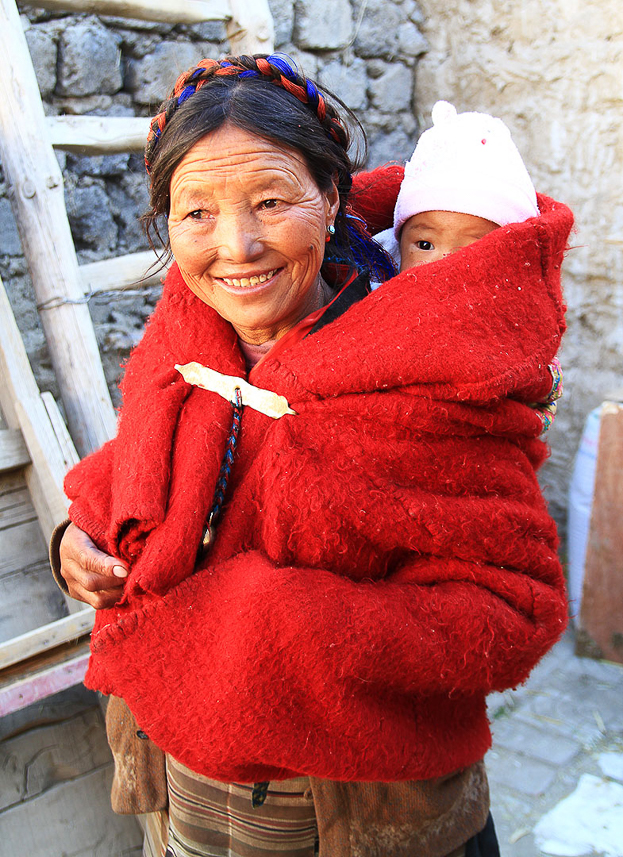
[{"x": 465, "y": 179}]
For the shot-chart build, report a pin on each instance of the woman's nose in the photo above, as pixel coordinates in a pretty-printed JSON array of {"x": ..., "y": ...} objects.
[{"x": 239, "y": 237}]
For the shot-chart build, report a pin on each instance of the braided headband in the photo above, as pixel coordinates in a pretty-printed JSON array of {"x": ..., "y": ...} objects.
[{"x": 273, "y": 68}]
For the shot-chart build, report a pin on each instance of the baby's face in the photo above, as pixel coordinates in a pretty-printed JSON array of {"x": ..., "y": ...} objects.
[{"x": 432, "y": 235}]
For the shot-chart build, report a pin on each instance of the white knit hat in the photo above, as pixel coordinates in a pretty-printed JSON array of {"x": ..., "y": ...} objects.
[{"x": 466, "y": 163}]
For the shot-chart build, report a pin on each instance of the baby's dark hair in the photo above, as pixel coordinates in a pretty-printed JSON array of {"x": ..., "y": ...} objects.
[{"x": 268, "y": 97}]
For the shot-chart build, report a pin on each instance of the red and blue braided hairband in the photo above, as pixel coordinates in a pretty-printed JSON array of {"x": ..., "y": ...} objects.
[{"x": 186, "y": 85}]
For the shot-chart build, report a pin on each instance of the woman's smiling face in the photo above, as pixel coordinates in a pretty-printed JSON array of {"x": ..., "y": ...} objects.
[{"x": 247, "y": 225}]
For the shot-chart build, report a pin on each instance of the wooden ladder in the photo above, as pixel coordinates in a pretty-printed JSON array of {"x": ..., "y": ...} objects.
[
  {"x": 52, "y": 657},
  {"x": 35, "y": 440}
]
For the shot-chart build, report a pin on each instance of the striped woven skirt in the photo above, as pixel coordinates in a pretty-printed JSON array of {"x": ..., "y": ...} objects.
[{"x": 208, "y": 818}]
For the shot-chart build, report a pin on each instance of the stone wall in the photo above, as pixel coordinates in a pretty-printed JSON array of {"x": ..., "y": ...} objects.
[
  {"x": 365, "y": 51},
  {"x": 552, "y": 69},
  {"x": 54, "y": 754}
]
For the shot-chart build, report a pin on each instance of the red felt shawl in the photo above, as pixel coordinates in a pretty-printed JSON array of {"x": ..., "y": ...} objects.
[{"x": 385, "y": 557}]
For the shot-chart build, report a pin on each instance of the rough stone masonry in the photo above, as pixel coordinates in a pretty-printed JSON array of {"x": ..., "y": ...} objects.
[
  {"x": 366, "y": 52},
  {"x": 527, "y": 67}
]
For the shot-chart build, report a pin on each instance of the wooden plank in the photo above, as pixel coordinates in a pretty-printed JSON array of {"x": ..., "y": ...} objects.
[
  {"x": 98, "y": 135},
  {"x": 251, "y": 29},
  {"x": 36, "y": 193},
  {"x": 72, "y": 818},
  {"x": 29, "y": 598},
  {"x": 15, "y": 505},
  {"x": 122, "y": 272},
  {"x": 20, "y": 546},
  {"x": 155, "y": 825},
  {"x": 601, "y": 613},
  {"x": 49, "y": 445},
  {"x": 71, "y": 703},
  {"x": 46, "y": 637},
  {"x": 66, "y": 444},
  {"x": 40, "y": 759},
  {"x": 166, "y": 11},
  {"x": 13, "y": 450},
  {"x": 37, "y": 679},
  {"x": 24, "y": 410}
]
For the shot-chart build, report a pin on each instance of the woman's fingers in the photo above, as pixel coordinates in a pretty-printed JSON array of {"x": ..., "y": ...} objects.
[
  {"x": 100, "y": 599},
  {"x": 91, "y": 575}
]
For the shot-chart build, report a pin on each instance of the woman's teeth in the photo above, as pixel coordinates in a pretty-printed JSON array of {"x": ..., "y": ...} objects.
[{"x": 249, "y": 281}]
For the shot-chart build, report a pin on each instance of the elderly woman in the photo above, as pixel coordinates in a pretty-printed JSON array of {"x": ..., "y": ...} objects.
[{"x": 320, "y": 539}]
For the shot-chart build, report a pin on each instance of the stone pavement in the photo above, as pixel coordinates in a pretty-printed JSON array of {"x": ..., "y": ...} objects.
[{"x": 547, "y": 734}]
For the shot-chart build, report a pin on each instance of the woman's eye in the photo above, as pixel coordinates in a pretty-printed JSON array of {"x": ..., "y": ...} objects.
[
  {"x": 269, "y": 203},
  {"x": 424, "y": 245},
  {"x": 196, "y": 215}
]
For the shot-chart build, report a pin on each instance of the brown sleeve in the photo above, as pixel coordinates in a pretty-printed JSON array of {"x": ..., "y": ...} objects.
[
  {"x": 442, "y": 813},
  {"x": 139, "y": 783},
  {"x": 55, "y": 557}
]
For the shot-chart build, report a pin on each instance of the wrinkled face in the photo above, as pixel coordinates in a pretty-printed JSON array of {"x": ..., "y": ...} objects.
[
  {"x": 432, "y": 235},
  {"x": 247, "y": 226}
]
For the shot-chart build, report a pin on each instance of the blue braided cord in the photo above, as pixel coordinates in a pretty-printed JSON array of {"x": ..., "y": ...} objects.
[
  {"x": 228, "y": 458},
  {"x": 312, "y": 92},
  {"x": 334, "y": 257},
  {"x": 185, "y": 93},
  {"x": 196, "y": 73},
  {"x": 249, "y": 73},
  {"x": 368, "y": 254},
  {"x": 283, "y": 65},
  {"x": 363, "y": 250},
  {"x": 157, "y": 132},
  {"x": 226, "y": 64},
  {"x": 356, "y": 218}
]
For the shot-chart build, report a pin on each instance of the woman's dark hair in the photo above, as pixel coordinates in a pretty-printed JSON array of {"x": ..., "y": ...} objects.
[{"x": 265, "y": 96}]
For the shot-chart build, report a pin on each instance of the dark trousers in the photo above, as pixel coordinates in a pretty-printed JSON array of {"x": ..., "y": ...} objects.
[{"x": 485, "y": 843}]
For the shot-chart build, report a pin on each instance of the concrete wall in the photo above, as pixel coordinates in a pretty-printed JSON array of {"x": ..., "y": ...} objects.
[{"x": 552, "y": 69}]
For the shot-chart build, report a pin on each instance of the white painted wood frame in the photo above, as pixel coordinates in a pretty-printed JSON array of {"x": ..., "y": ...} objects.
[
  {"x": 65, "y": 668},
  {"x": 98, "y": 135},
  {"x": 249, "y": 23}
]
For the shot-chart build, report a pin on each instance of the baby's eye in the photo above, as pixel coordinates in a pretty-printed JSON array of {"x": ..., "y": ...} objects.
[{"x": 424, "y": 245}]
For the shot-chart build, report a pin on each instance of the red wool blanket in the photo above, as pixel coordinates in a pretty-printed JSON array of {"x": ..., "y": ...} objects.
[{"x": 385, "y": 558}]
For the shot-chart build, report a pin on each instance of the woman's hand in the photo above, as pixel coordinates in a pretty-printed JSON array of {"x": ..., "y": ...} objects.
[{"x": 91, "y": 575}]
